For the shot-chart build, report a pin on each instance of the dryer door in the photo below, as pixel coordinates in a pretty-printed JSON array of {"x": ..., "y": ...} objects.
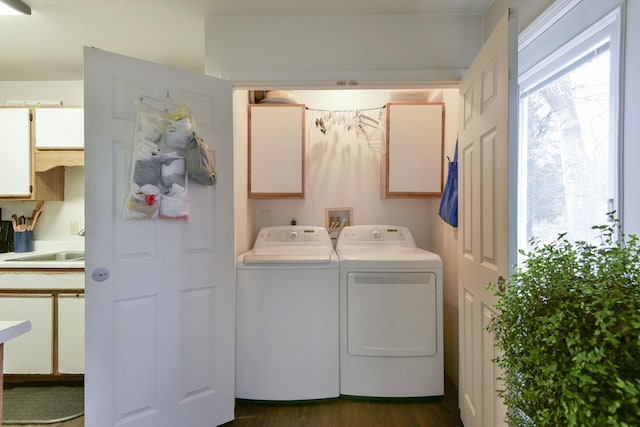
[{"x": 391, "y": 314}]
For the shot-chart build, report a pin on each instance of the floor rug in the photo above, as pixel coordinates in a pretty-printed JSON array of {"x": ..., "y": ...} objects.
[{"x": 47, "y": 404}]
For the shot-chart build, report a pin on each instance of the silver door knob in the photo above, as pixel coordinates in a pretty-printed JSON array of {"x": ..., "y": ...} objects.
[{"x": 100, "y": 274}]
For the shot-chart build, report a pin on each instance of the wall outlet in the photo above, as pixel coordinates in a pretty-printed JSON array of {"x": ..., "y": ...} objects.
[{"x": 74, "y": 229}]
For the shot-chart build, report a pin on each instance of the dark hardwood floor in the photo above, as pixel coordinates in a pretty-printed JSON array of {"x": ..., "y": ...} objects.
[
  {"x": 340, "y": 412},
  {"x": 352, "y": 412}
]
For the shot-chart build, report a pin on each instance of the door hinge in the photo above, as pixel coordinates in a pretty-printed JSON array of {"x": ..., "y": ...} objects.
[{"x": 31, "y": 189}]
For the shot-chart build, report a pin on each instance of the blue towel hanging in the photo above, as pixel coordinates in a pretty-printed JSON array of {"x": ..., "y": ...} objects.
[{"x": 449, "y": 202}]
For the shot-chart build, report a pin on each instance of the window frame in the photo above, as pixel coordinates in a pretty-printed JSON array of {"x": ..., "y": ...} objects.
[{"x": 572, "y": 28}]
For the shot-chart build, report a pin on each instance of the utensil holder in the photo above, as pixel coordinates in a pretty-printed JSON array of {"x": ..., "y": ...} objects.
[{"x": 23, "y": 241}]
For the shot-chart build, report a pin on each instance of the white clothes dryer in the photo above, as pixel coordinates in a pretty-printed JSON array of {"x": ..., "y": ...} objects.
[
  {"x": 391, "y": 336},
  {"x": 287, "y": 330}
]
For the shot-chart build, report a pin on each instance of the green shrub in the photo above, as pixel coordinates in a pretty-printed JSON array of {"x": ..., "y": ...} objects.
[{"x": 568, "y": 331}]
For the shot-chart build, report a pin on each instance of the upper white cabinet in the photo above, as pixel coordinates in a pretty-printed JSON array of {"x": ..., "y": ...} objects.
[
  {"x": 15, "y": 149},
  {"x": 36, "y": 144},
  {"x": 276, "y": 151},
  {"x": 59, "y": 137},
  {"x": 59, "y": 128},
  {"x": 415, "y": 140}
]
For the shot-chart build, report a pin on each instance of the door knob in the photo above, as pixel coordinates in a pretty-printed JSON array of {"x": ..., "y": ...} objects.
[{"x": 100, "y": 274}]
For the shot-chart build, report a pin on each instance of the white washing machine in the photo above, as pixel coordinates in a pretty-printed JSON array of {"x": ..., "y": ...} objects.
[
  {"x": 391, "y": 339},
  {"x": 287, "y": 330}
]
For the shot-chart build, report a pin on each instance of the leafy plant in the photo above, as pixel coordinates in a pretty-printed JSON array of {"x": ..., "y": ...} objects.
[{"x": 568, "y": 331}]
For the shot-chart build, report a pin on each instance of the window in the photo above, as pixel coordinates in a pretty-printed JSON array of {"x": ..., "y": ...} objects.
[{"x": 568, "y": 170}]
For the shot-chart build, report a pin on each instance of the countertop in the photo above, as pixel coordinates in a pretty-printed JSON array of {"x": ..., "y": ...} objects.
[
  {"x": 13, "y": 328},
  {"x": 43, "y": 247}
]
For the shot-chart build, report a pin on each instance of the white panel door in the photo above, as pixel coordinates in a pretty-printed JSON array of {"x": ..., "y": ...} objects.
[
  {"x": 160, "y": 328},
  {"x": 487, "y": 138}
]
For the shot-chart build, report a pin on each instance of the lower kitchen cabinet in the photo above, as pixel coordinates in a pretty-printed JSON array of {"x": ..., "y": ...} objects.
[
  {"x": 71, "y": 334},
  {"x": 55, "y": 344},
  {"x": 31, "y": 353}
]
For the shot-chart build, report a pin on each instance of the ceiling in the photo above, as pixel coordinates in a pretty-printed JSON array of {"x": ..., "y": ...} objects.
[{"x": 47, "y": 45}]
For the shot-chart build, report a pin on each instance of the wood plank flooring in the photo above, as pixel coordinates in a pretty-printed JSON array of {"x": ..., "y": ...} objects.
[
  {"x": 353, "y": 412},
  {"x": 341, "y": 412}
]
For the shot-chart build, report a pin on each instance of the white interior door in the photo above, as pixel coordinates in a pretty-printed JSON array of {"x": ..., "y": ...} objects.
[
  {"x": 161, "y": 327},
  {"x": 487, "y": 138}
]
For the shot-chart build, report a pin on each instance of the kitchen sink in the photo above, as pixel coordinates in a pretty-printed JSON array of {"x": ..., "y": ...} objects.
[{"x": 52, "y": 256}]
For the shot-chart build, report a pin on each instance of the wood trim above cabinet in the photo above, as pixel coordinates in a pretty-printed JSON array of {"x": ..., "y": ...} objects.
[
  {"x": 413, "y": 165},
  {"x": 49, "y": 159}
]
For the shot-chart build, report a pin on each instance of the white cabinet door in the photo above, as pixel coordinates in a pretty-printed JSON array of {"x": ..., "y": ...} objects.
[
  {"x": 71, "y": 334},
  {"x": 15, "y": 151},
  {"x": 415, "y": 140},
  {"x": 276, "y": 151},
  {"x": 59, "y": 128},
  {"x": 32, "y": 352}
]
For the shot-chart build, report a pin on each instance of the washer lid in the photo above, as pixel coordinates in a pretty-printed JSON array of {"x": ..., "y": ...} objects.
[{"x": 289, "y": 255}]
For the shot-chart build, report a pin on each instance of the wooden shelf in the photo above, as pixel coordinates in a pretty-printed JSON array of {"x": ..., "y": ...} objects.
[{"x": 49, "y": 159}]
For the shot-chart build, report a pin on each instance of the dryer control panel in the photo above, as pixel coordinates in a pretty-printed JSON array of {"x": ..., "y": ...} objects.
[{"x": 370, "y": 234}]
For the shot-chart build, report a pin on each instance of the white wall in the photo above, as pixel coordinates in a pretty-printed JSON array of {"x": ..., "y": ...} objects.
[
  {"x": 445, "y": 243},
  {"x": 71, "y": 92},
  {"x": 378, "y": 52},
  {"x": 56, "y": 216},
  {"x": 244, "y": 228},
  {"x": 528, "y": 10},
  {"x": 342, "y": 170},
  {"x": 314, "y": 51}
]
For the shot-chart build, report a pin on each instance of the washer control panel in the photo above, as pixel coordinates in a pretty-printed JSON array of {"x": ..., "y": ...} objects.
[{"x": 290, "y": 234}]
